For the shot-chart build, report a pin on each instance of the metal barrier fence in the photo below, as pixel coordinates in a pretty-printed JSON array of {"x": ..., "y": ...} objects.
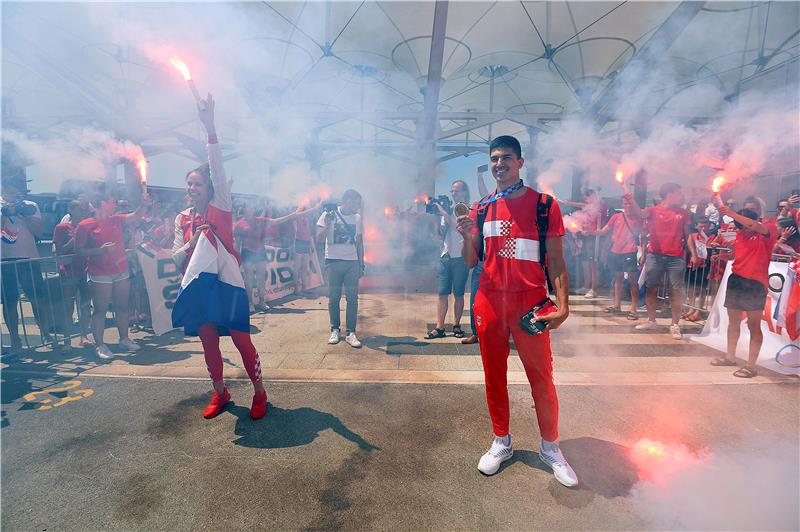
[{"x": 41, "y": 298}]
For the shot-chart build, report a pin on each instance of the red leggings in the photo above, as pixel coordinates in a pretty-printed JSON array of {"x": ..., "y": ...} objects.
[
  {"x": 209, "y": 335},
  {"x": 497, "y": 315}
]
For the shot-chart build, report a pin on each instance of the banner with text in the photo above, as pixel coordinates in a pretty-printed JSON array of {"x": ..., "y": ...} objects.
[
  {"x": 714, "y": 333},
  {"x": 162, "y": 278}
]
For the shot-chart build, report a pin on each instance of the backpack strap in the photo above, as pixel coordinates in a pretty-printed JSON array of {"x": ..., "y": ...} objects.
[
  {"x": 543, "y": 222},
  {"x": 480, "y": 220}
]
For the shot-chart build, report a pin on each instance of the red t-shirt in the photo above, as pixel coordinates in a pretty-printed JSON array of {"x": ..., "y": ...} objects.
[
  {"x": 622, "y": 240},
  {"x": 93, "y": 233},
  {"x": 665, "y": 229},
  {"x": 62, "y": 234},
  {"x": 511, "y": 243},
  {"x": 752, "y": 253},
  {"x": 303, "y": 228},
  {"x": 252, "y": 233}
]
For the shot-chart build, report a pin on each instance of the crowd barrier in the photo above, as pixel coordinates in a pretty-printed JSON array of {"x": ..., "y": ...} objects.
[{"x": 47, "y": 302}]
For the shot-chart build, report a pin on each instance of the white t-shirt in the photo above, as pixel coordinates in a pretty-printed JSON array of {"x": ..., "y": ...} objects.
[
  {"x": 18, "y": 240},
  {"x": 452, "y": 240},
  {"x": 340, "y": 243}
]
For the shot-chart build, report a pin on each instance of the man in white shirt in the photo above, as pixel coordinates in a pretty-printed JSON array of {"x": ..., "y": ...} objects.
[
  {"x": 452, "y": 273},
  {"x": 343, "y": 232}
]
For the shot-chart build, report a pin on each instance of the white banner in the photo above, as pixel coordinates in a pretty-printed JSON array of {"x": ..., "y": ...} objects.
[
  {"x": 162, "y": 278},
  {"x": 281, "y": 272},
  {"x": 715, "y": 331}
]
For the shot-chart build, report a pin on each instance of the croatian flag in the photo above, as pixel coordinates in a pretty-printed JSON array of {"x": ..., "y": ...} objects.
[{"x": 212, "y": 290}]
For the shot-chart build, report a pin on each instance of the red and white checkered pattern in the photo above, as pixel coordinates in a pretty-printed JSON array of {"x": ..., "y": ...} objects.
[{"x": 509, "y": 249}]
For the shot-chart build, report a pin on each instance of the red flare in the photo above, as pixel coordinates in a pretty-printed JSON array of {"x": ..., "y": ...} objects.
[
  {"x": 716, "y": 184},
  {"x": 141, "y": 166},
  {"x": 182, "y": 68},
  {"x": 388, "y": 212},
  {"x": 620, "y": 176}
]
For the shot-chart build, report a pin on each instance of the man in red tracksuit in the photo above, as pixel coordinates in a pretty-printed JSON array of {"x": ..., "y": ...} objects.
[{"x": 512, "y": 283}]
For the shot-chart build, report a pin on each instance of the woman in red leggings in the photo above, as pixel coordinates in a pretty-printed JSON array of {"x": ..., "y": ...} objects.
[{"x": 212, "y": 301}]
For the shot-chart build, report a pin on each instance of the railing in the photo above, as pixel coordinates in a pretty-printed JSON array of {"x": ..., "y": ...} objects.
[{"x": 42, "y": 296}]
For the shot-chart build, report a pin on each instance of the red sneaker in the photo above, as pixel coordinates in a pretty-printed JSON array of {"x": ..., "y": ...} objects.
[
  {"x": 259, "y": 407},
  {"x": 216, "y": 404}
]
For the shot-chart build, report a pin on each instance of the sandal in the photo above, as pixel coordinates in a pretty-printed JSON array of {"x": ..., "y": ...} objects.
[
  {"x": 722, "y": 361},
  {"x": 612, "y": 310},
  {"x": 745, "y": 373},
  {"x": 633, "y": 316},
  {"x": 457, "y": 331},
  {"x": 435, "y": 333}
]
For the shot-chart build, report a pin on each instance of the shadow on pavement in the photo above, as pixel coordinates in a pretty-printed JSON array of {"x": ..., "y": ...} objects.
[
  {"x": 393, "y": 345},
  {"x": 603, "y": 468},
  {"x": 282, "y": 428}
]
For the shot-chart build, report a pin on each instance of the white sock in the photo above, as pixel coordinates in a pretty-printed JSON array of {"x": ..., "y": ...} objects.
[
  {"x": 549, "y": 446},
  {"x": 505, "y": 440}
]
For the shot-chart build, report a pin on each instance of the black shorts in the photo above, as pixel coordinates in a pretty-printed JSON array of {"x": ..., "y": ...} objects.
[
  {"x": 623, "y": 262},
  {"x": 744, "y": 294}
]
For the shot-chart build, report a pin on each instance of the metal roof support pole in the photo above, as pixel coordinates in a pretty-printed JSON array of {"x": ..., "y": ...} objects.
[
  {"x": 529, "y": 154},
  {"x": 577, "y": 183},
  {"x": 428, "y": 124}
]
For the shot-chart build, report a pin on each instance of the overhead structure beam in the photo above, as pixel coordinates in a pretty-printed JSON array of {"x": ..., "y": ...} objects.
[
  {"x": 429, "y": 122},
  {"x": 434, "y": 80},
  {"x": 603, "y": 108}
]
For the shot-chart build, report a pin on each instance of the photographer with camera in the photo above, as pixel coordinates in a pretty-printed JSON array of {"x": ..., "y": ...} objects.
[
  {"x": 343, "y": 231},
  {"x": 21, "y": 222},
  {"x": 452, "y": 273},
  {"x": 518, "y": 232}
]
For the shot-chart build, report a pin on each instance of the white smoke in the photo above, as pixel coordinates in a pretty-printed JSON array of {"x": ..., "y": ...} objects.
[{"x": 752, "y": 489}]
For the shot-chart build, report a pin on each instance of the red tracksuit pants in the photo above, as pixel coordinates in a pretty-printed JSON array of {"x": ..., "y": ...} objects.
[
  {"x": 497, "y": 316},
  {"x": 209, "y": 336}
]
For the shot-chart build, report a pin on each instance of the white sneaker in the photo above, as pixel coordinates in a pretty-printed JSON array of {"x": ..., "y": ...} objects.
[
  {"x": 675, "y": 331},
  {"x": 498, "y": 453},
  {"x": 336, "y": 336},
  {"x": 590, "y": 294},
  {"x": 646, "y": 326},
  {"x": 580, "y": 291},
  {"x": 104, "y": 352},
  {"x": 352, "y": 340},
  {"x": 129, "y": 345},
  {"x": 555, "y": 460}
]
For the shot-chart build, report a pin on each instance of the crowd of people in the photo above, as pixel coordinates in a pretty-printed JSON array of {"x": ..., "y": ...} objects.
[{"x": 513, "y": 240}]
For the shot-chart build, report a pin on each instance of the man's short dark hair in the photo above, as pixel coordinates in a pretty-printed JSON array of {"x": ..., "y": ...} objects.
[
  {"x": 351, "y": 194},
  {"x": 668, "y": 188},
  {"x": 506, "y": 141},
  {"x": 747, "y": 213}
]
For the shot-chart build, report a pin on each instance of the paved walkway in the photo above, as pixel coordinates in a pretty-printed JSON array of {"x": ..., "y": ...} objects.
[{"x": 388, "y": 436}]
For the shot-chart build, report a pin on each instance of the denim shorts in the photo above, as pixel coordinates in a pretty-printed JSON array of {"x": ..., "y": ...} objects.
[
  {"x": 109, "y": 279},
  {"x": 657, "y": 265},
  {"x": 452, "y": 275},
  {"x": 622, "y": 262}
]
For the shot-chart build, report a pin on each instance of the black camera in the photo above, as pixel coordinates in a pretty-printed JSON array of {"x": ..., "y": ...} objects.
[
  {"x": 444, "y": 201},
  {"x": 330, "y": 206}
]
